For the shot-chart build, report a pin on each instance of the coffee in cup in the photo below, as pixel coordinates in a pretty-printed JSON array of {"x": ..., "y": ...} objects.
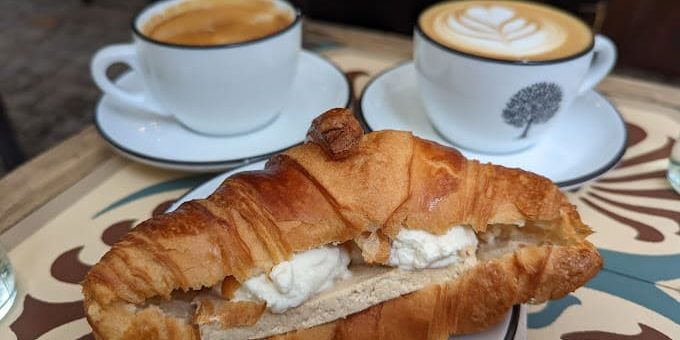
[
  {"x": 219, "y": 67},
  {"x": 506, "y": 30},
  {"x": 214, "y": 22},
  {"x": 494, "y": 76}
]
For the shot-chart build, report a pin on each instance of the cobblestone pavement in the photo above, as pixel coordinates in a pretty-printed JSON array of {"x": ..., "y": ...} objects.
[{"x": 45, "y": 49}]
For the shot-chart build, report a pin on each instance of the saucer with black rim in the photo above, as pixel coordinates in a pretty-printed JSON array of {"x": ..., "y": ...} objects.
[
  {"x": 163, "y": 142},
  {"x": 589, "y": 138}
]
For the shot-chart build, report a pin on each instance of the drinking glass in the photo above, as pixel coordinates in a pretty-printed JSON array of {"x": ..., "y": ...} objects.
[
  {"x": 7, "y": 288},
  {"x": 674, "y": 167}
]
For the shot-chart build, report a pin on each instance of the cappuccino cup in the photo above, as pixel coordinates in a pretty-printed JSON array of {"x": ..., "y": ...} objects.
[
  {"x": 219, "y": 67},
  {"x": 494, "y": 76}
]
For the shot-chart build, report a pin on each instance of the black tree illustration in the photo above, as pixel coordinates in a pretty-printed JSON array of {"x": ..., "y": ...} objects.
[{"x": 533, "y": 104}]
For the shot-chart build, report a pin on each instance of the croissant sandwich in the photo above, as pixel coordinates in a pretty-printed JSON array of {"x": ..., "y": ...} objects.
[{"x": 349, "y": 236}]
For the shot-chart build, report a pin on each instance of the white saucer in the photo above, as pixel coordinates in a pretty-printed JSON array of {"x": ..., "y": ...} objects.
[
  {"x": 512, "y": 327},
  {"x": 587, "y": 140},
  {"x": 163, "y": 142}
]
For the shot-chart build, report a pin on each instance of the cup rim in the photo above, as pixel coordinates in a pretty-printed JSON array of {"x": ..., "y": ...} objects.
[
  {"x": 586, "y": 50},
  {"x": 138, "y": 33}
]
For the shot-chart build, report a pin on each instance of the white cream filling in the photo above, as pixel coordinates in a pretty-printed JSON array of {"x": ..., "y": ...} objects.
[
  {"x": 291, "y": 283},
  {"x": 417, "y": 249}
]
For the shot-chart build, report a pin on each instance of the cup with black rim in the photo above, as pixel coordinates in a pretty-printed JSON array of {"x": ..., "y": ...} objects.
[
  {"x": 496, "y": 76},
  {"x": 213, "y": 89}
]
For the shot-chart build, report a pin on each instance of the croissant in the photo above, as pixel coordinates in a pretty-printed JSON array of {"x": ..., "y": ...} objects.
[{"x": 174, "y": 275}]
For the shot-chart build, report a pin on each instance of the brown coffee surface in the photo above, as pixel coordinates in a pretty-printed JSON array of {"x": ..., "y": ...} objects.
[
  {"x": 216, "y": 22},
  {"x": 506, "y": 30}
]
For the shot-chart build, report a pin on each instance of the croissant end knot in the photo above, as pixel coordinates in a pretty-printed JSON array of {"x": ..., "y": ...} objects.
[{"x": 337, "y": 131}]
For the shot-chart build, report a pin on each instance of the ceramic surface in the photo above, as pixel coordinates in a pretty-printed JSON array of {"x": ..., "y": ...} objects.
[
  {"x": 221, "y": 89},
  {"x": 502, "y": 107},
  {"x": 587, "y": 140},
  {"x": 163, "y": 142}
]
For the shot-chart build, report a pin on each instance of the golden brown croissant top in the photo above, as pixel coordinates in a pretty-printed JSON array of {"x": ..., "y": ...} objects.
[{"x": 340, "y": 186}]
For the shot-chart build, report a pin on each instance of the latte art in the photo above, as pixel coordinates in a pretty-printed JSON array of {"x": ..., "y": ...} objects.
[
  {"x": 499, "y": 29},
  {"x": 507, "y": 30}
]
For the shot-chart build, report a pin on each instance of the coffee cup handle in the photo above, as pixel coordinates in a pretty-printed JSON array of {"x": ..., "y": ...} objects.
[
  {"x": 604, "y": 58},
  {"x": 126, "y": 54}
]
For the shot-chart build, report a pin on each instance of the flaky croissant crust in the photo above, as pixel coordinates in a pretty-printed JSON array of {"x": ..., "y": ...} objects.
[{"x": 343, "y": 186}]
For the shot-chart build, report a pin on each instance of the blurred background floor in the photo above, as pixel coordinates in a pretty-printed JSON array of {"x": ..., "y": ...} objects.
[
  {"x": 45, "y": 49},
  {"x": 46, "y": 46}
]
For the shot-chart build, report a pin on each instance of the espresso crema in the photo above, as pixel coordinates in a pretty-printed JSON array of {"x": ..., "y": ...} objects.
[
  {"x": 506, "y": 30},
  {"x": 216, "y": 22}
]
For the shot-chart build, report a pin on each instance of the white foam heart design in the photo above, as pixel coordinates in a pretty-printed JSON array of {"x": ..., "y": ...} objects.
[
  {"x": 493, "y": 23},
  {"x": 494, "y": 15},
  {"x": 498, "y": 28}
]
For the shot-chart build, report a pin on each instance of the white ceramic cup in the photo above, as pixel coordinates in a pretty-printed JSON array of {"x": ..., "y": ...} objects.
[
  {"x": 215, "y": 89},
  {"x": 476, "y": 102}
]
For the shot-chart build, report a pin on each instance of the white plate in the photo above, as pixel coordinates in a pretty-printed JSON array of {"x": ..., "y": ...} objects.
[
  {"x": 508, "y": 329},
  {"x": 163, "y": 142},
  {"x": 588, "y": 139}
]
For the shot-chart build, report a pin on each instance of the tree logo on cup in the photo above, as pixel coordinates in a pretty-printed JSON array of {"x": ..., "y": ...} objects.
[{"x": 534, "y": 104}]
